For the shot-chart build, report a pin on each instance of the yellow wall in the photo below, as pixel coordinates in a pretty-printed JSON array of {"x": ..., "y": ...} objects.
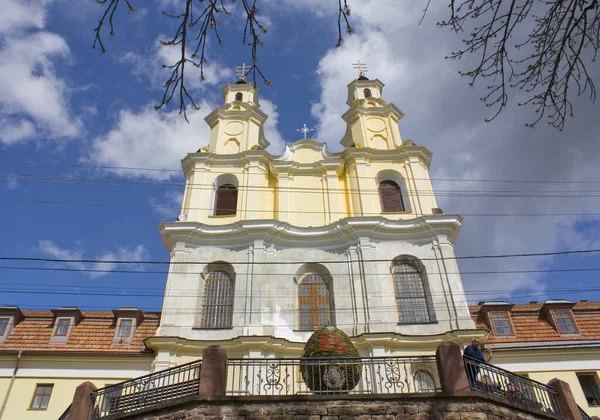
[
  {"x": 571, "y": 379},
  {"x": 62, "y": 396}
]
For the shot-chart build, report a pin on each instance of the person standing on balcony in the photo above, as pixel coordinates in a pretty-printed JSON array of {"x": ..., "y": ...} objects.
[{"x": 475, "y": 356}]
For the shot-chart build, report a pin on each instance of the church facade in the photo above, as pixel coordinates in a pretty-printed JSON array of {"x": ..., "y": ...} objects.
[{"x": 269, "y": 248}]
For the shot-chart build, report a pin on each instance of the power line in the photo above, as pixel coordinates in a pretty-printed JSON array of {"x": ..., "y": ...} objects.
[
  {"x": 464, "y": 273},
  {"x": 346, "y": 213},
  {"x": 146, "y": 169},
  {"x": 9, "y": 177},
  {"x": 466, "y": 257}
]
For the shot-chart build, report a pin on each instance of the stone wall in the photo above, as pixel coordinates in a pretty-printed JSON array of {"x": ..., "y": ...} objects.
[{"x": 460, "y": 406}]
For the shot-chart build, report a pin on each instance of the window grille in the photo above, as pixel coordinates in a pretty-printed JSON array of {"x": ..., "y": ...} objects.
[
  {"x": 226, "y": 200},
  {"x": 314, "y": 302},
  {"x": 218, "y": 300},
  {"x": 410, "y": 295},
  {"x": 390, "y": 197}
]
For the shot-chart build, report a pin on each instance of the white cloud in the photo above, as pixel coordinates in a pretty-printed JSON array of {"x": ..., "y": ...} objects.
[
  {"x": 272, "y": 133},
  {"x": 447, "y": 117},
  {"x": 151, "y": 139},
  {"x": 151, "y": 67},
  {"x": 167, "y": 207},
  {"x": 138, "y": 253},
  {"x": 33, "y": 98}
]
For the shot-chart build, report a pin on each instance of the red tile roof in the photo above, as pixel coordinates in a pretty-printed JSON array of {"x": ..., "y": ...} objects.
[
  {"x": 532, "y": 325},
  {"x": 95, "y": 332}
]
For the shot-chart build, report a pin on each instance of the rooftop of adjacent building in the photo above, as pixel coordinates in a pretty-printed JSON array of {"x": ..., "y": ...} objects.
[
  {"x": 549, "y": 321},
  {"x": 37, "y": 330}
]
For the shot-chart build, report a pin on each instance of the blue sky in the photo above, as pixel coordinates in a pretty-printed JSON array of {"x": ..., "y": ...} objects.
[{"x": 71, "y": 108}]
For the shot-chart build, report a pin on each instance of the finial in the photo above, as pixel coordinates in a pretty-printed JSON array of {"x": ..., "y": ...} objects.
[
  {"x": 361, "y": 67},
  {"x": 241, "y": 71},
  {"x": 305, "y": 130}
]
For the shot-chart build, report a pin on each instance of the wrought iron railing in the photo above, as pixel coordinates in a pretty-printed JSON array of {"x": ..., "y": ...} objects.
[
  {"x": 493, "y": 380},
  {"x": 65, "y": 415},
  {"x": 146, "y": 391},
  {"x": 375, "y": 375},
  {"x": 584, "y": 415}
]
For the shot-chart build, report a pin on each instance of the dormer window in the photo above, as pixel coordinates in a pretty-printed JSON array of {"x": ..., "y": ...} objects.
[
  {"x": 124, "y": 329},
  {"x": 62, "y": 327},
  {"x": 65, "y": 322},
  {"x": 239, "y": 96},
  {"x": 4, "y": 326},
  {"x": 565, "y": 324},
  {"x": 501, "y": 324},
  {"x": 128, "y": 319}
]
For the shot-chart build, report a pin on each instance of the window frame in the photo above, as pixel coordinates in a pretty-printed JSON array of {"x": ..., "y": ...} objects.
[
  {"x": 239, "y": 96},
  {"x": 35, "y": 394},
  {"x": 120, "y": 325},
  {"x": 57, "y": 327},
  {"x": 511, "y": 327},
  {"x": 421, "y": 273},
  {"x": 216, "y": 314},
  {"x": 6, "y": 327},
  {"x": 330, "y": 310},
  {"x": 596, "y": 391},
  {"x": 558, "y": 325}
]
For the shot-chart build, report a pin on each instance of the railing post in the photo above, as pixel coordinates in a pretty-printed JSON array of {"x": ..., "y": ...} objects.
[
  {"x": 564, "y": 399},
  {"x": 213, "y": 373},
  {"x": 453, "y": 377},
  {"x": 81, "y": 408}
]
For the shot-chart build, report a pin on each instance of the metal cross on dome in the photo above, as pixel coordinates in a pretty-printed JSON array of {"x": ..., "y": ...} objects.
[
  {"x": 305, "y": 130},
  {"x": 361, "y": 67},
  {"x": 241, "y": 71}
]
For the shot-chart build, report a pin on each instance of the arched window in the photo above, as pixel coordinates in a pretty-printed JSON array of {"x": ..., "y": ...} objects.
[
  {"x": 424, "y": 381},
  {"x": 390, "y": 196},
  {"x": 217, "y": 302},
  {"x": 314, "y": 302},
  {"x": 367, "y": 93},
  {"x": 239, "y": 96},
  {"x": 410, "y": 294},
  {"x": 226, "y": 200}
]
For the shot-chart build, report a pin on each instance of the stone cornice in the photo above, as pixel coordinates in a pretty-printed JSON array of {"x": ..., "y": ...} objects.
[
  {"x": 367, "y": 341},
  {"x": 247, "y": 114},
  {"x": 352, "y": 155},
  {"x": 343, "y": 233},
  {"x": 376, "y": 111}
]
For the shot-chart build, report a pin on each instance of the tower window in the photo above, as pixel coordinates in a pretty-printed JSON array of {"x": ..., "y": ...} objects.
[
  {"x": 390, "y": 197},
  {"x": 410, "y": 294},
  {"x": 314, "y": 302},
  {"x": 239, "y": 96},
  {"x": 226, "y": 200},
  {"x": 217, "y": 308},
  {"x": 368, "y": 93}
]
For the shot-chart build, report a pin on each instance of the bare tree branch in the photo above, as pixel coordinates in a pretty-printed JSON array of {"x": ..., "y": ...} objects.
[{"x": 556, "y": 51}]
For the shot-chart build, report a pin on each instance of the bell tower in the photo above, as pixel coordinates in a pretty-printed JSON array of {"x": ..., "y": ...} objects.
[
  {"x": 237, "y": 126},
  {"x": 371, "y": 122}
]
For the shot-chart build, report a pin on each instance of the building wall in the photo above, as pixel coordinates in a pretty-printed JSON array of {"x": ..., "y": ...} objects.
[{"x": 65, "y": 373}]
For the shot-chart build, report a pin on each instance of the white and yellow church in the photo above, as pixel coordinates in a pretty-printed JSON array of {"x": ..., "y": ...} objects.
[{"x": 269, "y": 248}]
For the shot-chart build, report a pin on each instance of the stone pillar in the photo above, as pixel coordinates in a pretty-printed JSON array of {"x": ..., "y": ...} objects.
[
  {"x": 565, "y": 401},
  {"x": 453, "y": 377},
  {"x": 81, "y": 407},
  {"x": 213, "y": 374}
]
